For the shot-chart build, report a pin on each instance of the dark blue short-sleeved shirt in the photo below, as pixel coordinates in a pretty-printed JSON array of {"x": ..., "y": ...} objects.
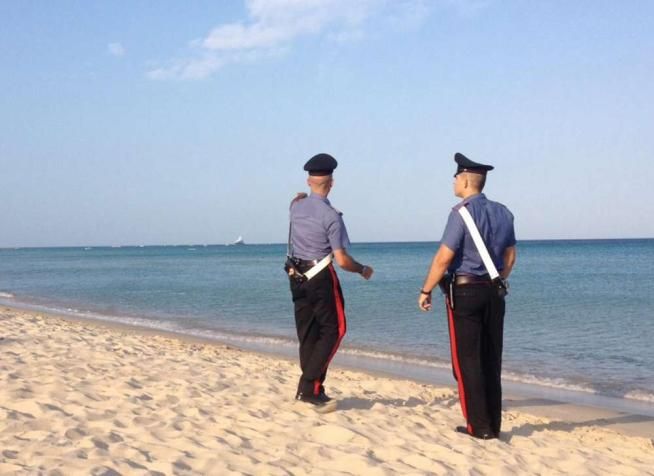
[
  {"x": 317, "y": 228},
  {"x": 495, "y": 224}
]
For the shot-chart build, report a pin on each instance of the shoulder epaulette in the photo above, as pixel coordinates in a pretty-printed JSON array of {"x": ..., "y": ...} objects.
[{"x": 340, "y": 213}]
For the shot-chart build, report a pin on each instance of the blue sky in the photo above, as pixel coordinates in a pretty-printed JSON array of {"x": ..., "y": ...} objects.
[{"x": 189, "y": 122}]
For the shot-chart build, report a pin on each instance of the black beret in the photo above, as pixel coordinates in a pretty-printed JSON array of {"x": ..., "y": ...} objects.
[
  {"x": 321, "y": 164},
  {"x": 464, "y": 164}
]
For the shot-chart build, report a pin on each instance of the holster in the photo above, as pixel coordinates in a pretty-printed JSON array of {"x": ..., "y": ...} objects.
[
  {"x": 502, "y": 287},
  {"x": 291, "y": 268},
  {"x": 446, "y": 285}
]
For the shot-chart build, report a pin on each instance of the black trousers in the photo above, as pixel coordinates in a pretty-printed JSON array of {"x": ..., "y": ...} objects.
[
  {"x": 320, "y": 324},
  {"x": 476, "y": 335}
]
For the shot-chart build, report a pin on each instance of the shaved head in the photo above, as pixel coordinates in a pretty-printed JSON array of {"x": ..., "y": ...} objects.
[
  {"x": 475, "y": 181},
  {"x": 320, "y": 184},
  {"x": 319, "y": 180}
]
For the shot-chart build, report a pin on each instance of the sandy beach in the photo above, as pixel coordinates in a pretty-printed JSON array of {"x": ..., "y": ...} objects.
[{"x": 88, "y": 398}]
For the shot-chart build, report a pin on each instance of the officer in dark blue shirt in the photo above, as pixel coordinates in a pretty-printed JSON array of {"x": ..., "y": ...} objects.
[
  {"x": 317, "y": 236},
  {"x": 475, "y": 303}
]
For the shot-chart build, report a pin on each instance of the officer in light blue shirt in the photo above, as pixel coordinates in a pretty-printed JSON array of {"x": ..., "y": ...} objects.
[
  {"x": 317, "y": 233},
  {"x": 318, "y": 228},
  {"x": 495, "y": 224},
  {"x": 475, "y": 302}
]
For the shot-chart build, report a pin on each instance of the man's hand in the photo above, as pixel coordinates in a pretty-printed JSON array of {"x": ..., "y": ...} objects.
[
  {"x": 424, "y": 301},
  {"x": 298, "y": 197},
  {"x": 348, "y": 263},
  {"x": 442, "y": 260}
]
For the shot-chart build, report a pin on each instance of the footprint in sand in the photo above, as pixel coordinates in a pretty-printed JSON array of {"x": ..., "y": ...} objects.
[
  {"x": 120, "y": 424},
  {"x": 171, "y": 400},
  {"x": 104, "y": 471},
  {"x": 81, "y": 454},
  {"x": 134, "y": 383},
  {"x": 100, "y": 444},
  {"x": 144, "y": 421},
  {"x": 182, "y": 425},
  {"x": 94, "y": 396},
  {"x": 134, "y": 464},
  {"x": 181, "y": 466},
  {"x": 75, "y": 434},
  {"x": 55, "y": 408},
  {"x": 22, "y": 393},
  {"x": 115, "y": 437}
]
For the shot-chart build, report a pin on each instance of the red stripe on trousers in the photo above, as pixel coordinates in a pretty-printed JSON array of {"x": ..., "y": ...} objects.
[
  {"x": 340, "y": 313},
  {"x": 455, "y": 363}
]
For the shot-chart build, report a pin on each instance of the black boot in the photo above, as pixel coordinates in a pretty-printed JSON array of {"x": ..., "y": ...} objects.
[{"x": 480, "y": 435}]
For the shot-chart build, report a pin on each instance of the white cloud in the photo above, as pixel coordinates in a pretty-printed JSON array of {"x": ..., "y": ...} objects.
[
  {"x": 116, "y": 49},
  {"x": 197, "y": 68},
  {"x": 273, "y": 25}
]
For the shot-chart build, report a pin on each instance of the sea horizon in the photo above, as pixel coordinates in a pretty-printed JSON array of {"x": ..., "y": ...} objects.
[{"x": 247, "y": 243}]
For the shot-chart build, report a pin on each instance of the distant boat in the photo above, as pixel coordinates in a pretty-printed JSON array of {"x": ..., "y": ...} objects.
[{"x": 238, "y": 241}]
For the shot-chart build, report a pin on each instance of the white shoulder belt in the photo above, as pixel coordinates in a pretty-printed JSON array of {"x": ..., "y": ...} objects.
[{"x": 479, "y": 243}]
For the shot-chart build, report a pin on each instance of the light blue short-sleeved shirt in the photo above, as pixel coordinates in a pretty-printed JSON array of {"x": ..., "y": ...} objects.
[
  {"x": 495, "y": 224},
  {"x": 317, "y": 228}
]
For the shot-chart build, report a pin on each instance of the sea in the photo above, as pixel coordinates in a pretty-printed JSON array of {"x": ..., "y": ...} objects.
[{"x": 579, "y": 325}]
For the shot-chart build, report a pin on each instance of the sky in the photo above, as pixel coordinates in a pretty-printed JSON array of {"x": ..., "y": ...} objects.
[{"x": 138, "y": 122}]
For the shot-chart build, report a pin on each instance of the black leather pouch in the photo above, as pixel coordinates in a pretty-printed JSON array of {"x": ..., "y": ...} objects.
[
  {"x": 291, "y": 268},
  {"x": 502, "y": 286}
]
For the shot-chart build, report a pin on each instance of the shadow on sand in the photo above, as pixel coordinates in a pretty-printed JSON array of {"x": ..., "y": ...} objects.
[
  {"x": 355, "y": 403},
  {"x": 526, "y": 430},
  {"x": 529, "y": 429}
]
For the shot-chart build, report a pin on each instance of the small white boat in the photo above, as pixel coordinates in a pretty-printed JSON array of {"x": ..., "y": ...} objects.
[{"x": 238, "y": 241}]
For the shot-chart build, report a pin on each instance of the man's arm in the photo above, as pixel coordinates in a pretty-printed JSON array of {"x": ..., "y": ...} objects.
[
  {"x": 442, "y": 260},
  {"x": 348, "y": 263},
  {"x": 509, "y": 261}
]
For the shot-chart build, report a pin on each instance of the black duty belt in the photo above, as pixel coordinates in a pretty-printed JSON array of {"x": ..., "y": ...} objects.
[
  {"x": 304, "y": 264},
  {"x": 312, "y": 267},
  {"x": 307, "y": 262},
  {"x": 465, "y": 279}
]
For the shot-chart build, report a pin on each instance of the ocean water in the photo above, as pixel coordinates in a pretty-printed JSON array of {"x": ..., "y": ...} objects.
[{"x": 580, "y": 314}]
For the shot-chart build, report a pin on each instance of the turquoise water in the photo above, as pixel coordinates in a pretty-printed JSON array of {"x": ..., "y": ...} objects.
[{"x": 579, "y": 315}]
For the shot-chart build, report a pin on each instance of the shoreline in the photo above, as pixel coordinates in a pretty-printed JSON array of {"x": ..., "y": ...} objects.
[
  {"x": 540, "y": 400},
  {"x": 367, "y": 361},
  {"x": 80, "y": 396}
]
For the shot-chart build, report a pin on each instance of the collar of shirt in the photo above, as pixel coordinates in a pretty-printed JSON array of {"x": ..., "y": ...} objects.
[
  {"x": 315, "y": 196},
  {"x": 473, "y": 197}
]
